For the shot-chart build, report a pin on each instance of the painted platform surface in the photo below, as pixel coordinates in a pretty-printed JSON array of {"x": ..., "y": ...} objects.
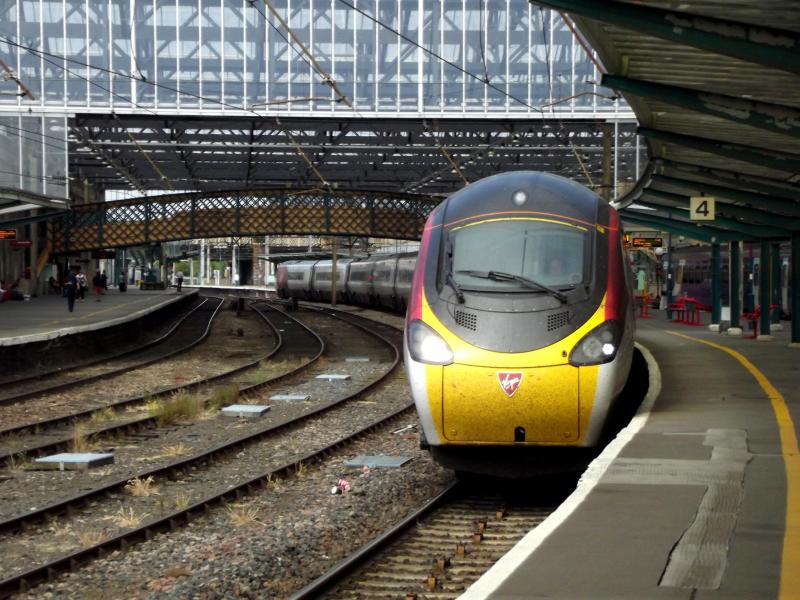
[
  {"x": 47, "y": 317},
  {"x": 694, "y": 504},
  {"x": 74, "y": 461}
]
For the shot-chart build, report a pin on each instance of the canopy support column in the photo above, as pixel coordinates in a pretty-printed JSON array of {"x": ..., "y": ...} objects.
[
  {"x": 716, "y": 289},
  {"x": 775, "y": 278},
  {"x": 795, "y": 301},
  {"x": 735, "y": 292},
  {"x": 764, "y": 289}
]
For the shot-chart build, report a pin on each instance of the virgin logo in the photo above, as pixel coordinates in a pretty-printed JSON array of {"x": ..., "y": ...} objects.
[{"x": 509, "y": 382}]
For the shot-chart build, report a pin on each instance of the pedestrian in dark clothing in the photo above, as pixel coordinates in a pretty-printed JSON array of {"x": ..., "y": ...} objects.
[
  {"x": 104, "y": 281},
  {"x": 97, "y": 282},
  {"x": 80, "y": 291},
  {"x": 179, "y": 279},
  {"x": 71, "y": 289}
]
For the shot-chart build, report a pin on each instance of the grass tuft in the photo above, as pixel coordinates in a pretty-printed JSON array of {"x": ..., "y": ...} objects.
[
  {"x": 103, "y": 416},
  {"x": 243, "y": 515},
  {"x": 224, "y": 396},
  {"x": 80, "y": 439},
  {"x": 177, "y": 450},
  {"x": 89, "y": 538},
  {"x": 18, "y": 462},
  {"x": 178, "y": 407},
  {"x": 128, "y": 519},
  {"x": 142, "y": 487},
  {"x": 182, "y": 500}
]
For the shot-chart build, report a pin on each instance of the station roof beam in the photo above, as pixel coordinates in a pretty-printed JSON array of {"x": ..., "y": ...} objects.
[
  {"x": 764, "y": 115},
  {"x": 769, "y": 46},
  {"x": 752, "y": 215},
  {"x": 771, "y": 159},
  {"x": 779, "y": 205}
]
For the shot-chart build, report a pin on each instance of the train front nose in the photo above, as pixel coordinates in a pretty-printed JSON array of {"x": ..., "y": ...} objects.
[{"x": 504, "y": 406}]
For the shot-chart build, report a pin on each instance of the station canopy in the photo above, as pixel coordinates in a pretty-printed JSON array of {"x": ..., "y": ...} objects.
[{"x": 716, "y": 90}]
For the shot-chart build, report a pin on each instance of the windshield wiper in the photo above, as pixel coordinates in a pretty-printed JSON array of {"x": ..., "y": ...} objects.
[
  {"x": 501, "y": 276},
  {"x": 449, "y": 277},
  {"x": 456, "y": 288}
]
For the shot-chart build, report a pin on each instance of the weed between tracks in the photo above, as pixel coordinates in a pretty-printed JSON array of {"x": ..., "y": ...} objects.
[
  {"x": 18, "y": 462},
  {"x": 142, "y": 487},
  {"x": 182, "y": 500},
  {"x": 103, "y": 416},
  {"x": 243, "y": 515},
  {"x": 80, "y": 439},
  {"x": 223, "y": 396},
  {"x": 175, "y": 408},
  {"x": 128, "y": 518},
  {"x": 89, "y": 538}
]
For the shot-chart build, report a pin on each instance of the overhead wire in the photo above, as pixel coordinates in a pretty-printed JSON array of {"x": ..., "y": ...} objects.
[{"x": 565, "y": 141}]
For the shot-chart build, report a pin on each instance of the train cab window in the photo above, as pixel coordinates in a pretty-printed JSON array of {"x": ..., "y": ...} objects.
[
  {"x": 296, "y": 275},
  {"x": 553, "y": 254}
]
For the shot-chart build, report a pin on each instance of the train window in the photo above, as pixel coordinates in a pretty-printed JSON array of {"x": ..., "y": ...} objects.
[
  {"x": 358, "y": 275},
  {"x": 295, "y": 275},
  {"x": 547, "y": 252},
  {"x": 323, "y": 275}
]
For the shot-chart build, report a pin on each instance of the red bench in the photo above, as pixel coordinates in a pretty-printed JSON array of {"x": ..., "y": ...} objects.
[
  {"x": 688, "y": 310},
  {"x": 753, "y": 318}
]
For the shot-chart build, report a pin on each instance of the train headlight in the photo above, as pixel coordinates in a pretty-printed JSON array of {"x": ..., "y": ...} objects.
[
  {"x": 598, "y": 346},
  {"x": 427, "y": 346}
]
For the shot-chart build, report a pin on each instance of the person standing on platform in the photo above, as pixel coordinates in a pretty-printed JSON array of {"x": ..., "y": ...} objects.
[
  {"x": 104, "y": 281},
  {"x": 179, "y": 279},
  {"x": 97, "y": 282},
  {"x": 70, "y": 289},
  {"x": 80, "y": 290}
]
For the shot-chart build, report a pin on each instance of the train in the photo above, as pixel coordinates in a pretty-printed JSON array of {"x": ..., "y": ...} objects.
[
  {"x": 380, "y": 280},
  {"x": 519, "y": 320}
]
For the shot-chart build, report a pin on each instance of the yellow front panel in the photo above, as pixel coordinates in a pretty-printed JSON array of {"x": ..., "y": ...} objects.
[{"x": 476, "y": 409}]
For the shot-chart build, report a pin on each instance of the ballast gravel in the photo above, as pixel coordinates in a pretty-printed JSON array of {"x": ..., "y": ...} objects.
[{"x": 285, "y": 536}]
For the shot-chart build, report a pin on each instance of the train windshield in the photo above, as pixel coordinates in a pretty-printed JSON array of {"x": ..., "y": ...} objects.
[{"x": 545, "y": 252}]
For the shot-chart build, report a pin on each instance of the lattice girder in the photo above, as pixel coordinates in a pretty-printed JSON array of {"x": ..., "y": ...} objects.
[{"x": 240, "y": 213}]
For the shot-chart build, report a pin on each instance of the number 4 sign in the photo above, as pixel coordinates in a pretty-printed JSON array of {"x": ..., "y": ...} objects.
[{"x": 701, "y": 208}]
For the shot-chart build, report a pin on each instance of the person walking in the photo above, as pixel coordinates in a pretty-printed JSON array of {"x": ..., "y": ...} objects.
[
  {"x": 97, "y": 282},
  {"x": 179, "y": 279},
  {"x": 70, "y": 289},
  {"x": 104, "y": 281},
  {"x": 80, "y": 290}
]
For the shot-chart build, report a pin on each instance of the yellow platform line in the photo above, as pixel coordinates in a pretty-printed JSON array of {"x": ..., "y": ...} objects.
[{"x": 790, "y": 561}]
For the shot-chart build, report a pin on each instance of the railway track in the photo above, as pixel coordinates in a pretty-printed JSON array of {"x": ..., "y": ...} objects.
[
  {"x": 436, "y": 552},
  {"x": 232, "y": 451},
  {"x": 188, "y": 331},
  {"x": 31, "y": 442}
]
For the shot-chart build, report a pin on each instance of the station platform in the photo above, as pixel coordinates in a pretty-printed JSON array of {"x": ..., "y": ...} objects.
[
  {"x": 46, "y": 317},
  {"x": 699, "y": 497}
]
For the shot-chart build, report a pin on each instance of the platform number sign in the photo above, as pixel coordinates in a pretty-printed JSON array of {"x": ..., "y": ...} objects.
[{"x": 701, "y": 208}]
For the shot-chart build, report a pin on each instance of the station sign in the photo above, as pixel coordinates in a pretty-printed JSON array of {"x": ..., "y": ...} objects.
[
  {"x": 107, "y": 254},
  {"x": 8, "y": 234},
  {"x": 701, "y": 208},
  {"x": 647, "y": 242}
]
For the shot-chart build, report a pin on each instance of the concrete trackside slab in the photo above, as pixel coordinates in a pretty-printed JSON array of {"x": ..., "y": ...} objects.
[{"x": 46, "y": 318}]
